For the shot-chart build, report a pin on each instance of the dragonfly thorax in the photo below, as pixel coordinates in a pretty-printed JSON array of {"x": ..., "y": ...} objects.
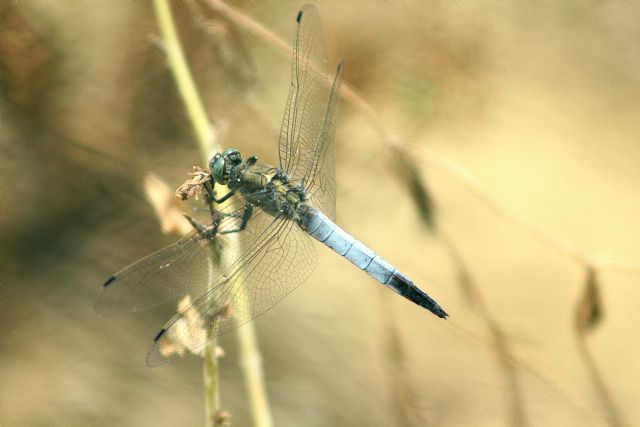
[{"x": 270, "y": 189}]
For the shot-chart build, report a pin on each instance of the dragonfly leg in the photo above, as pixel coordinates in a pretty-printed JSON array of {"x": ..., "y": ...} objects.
[
  {"x": 212, "y": 195},
  {"x": 248, "y": 210},
  {"x": 205, "y": 231}
]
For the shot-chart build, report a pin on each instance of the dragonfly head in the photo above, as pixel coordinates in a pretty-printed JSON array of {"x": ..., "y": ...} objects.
[{"x": 223, "y": 163}]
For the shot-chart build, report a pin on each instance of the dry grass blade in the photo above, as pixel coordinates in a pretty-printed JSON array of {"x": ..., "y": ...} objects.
[
  {"x": 589, "y": 310},
  {"x": 409, "y": 173}
]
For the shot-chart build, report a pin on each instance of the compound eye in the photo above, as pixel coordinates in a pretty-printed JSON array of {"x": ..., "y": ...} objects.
[
  {"x": 218, "y": 169},
  {"x": 232, "y": 155},
  {"x": 230, "y": 151}
]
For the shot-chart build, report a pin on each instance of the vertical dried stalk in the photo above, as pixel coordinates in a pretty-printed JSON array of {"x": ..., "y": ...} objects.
[
  {"x": 184, "y": 81},
  {"x": 203, "y": 131},
  {"x": 251, "y": 365},
  {"x": 250, "y": 357}
]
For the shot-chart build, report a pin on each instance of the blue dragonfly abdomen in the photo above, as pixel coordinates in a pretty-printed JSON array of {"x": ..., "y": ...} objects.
[{"x": 321, "y": 228}]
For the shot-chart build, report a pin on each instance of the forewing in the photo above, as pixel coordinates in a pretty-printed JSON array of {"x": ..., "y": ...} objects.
[
  {"x": 308, "y": 126},
  {"x": 308, "y": 95},
  {"x": 170, "y": 273},
  {"x": 281, "y": 258},
  {"x": 178, "y": 270},
  {"x": 320, "y": 179}
]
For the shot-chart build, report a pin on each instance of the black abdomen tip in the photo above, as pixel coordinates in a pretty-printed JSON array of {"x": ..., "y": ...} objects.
[
  {"x": 161, "y": 333},
  {"x": 438, "y": 311},
  {"x": 109, "y": 281},
  {"x": 405, "y": 287},
  {"x": 418, "y": 296},
  {"x": 299, "y": 17}
]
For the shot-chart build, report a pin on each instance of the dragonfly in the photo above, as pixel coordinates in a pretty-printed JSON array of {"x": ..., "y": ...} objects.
[{"x": 264, "y": 225}]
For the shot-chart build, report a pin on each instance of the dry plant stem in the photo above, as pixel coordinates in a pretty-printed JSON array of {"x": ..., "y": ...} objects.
[
  {"x": 251, "y": 365},
  {"x": 211, "y": 384},
  {"x": 203, "y": 131},
  {"x": 182, "y": 75},
  {"x": 251, "y": 362}
]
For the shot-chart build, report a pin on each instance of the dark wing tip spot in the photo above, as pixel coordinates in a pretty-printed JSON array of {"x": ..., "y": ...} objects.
[
  {"x": 299, "y": 17},
  {"x": 161, "y": 333},
  {"x": 109, "y": 281},
  {"x": 340, "y": 66}
]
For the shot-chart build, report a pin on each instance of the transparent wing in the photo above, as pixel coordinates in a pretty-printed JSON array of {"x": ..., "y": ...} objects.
[
  {"x": 279, "y": 260},
  {"x": 169, "y": 273},
  {"x": 176, "y": 271},
  {"x": 320, "y": 179},
  {"x": 308, "y": 125}
]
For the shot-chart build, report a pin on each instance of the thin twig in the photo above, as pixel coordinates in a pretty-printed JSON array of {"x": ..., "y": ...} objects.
[
  {"x": 251, "y": 361},
  {"x": 203, "y": 131}
]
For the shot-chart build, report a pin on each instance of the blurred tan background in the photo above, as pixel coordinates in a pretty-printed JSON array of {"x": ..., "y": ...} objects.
[{"x": 538, "y": 101}]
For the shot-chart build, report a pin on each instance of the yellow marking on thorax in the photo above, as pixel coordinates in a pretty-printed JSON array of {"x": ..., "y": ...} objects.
[
  {"x": 283, "y": 191},
  {"x": 293, "y": 197},
  {"x": 280, "y": 187}
]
